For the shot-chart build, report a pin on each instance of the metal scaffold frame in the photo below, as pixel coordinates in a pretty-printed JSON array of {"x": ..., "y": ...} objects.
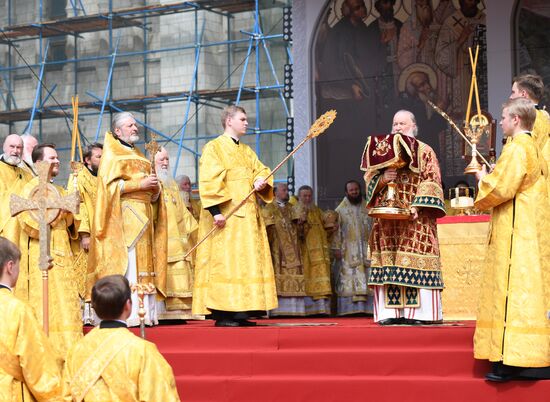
[{"x": 193, "y": 98}]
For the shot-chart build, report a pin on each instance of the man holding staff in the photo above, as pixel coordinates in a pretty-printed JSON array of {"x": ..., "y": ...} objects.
[{"x": 234, "y": 277}]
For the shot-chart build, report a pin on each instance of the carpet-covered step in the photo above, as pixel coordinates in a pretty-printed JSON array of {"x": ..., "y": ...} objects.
[
  {"x": 382, "y": 362},
  {"x": 356, "y": 389}
]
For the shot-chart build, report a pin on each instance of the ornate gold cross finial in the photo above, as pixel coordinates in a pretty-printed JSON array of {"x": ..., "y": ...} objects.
[
  {"x": 152, "y": 147},
  {"x": 44, "y": 205}
]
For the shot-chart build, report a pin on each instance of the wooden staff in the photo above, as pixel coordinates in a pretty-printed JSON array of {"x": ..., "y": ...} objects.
[{"x": 316, "y": 129}]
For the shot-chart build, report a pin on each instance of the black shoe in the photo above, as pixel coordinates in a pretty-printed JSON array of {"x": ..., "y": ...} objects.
[
  {"x": 390, "y": 321},
  {"x": 503, "y": 377},
  {"x": 246, "y": 323},
  {"x": 227, "y": 323},
  {"x": 415, "y": 322}
]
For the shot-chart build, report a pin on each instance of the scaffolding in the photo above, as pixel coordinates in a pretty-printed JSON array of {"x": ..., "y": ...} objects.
[{"x": 257, "y": 42}]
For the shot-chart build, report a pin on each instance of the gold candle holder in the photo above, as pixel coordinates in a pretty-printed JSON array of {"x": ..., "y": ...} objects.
[{"x": 474, "y": 130}]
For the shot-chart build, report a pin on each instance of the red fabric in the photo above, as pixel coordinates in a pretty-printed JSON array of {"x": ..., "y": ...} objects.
[
  {"x": 380, "y": 152},
  {"x": 464, "y": 219},
  {"x": 353, "y": 361}
]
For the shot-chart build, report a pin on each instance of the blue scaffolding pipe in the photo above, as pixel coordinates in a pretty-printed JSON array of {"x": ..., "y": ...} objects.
[
  {"x": 165, "y": 136},
  {"x": 137, "y": 53},
  {"x": 257, "y": 37},
  {"x": 274, "y": 73},
  {"x": 28, "y": 129},
  {"x": 191, "y": 89},
  {"x": 241, "y": 84},
  {"x": 50, "y": 93},
  {"x": 107, "y": 89}
]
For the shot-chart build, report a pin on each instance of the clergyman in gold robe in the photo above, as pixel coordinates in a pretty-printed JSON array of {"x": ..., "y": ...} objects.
[
  {"x": 178, "y": 292},
  {"x": 315, "y": 253},
  {"x": 85, "y": 182},
  {"x": 234, "y": 277},
  {"x": 12, "y": 179},
  {"x": 531, "y": 87},
  {"x": 513, "y": 329},
  {"x": 282, "y": 231},
  {"x": 29, "y": 368},
  {"x": 129, "y": 234},
  {"x": 111, "y": 363},
  {"x": 65, "y": 318}
]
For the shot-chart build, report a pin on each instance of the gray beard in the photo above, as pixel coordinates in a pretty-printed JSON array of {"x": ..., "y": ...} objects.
[
  {"x": 12, "y": 160},
  {"x": 165, "y": 177}
]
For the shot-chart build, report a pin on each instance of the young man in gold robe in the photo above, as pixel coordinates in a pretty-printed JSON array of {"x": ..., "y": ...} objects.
[
  {"x": 129, "y": 229},
  {"x": 177, "y": 291},
  {"x": 234, "y": 277},
  {"x": 12, "y": 180},
  {"x": 282, "y": 231},
  {"x": 65, "y": 318},
  {"x": 29, "y": 370},
  {"x": 315, "y": 254},
  {"x": 513, "y": 329},
  {"x": 531, "y": 87},
  {"x": 405, "y": 264},
  {"x": 85, "y": 182},
  {"x": 111, "y": 363}
]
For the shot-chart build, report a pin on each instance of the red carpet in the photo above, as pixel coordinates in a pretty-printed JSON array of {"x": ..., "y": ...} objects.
[{"x": 354, "y": 360}]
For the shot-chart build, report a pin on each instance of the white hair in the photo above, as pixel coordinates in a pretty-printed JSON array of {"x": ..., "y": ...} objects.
[
  {"x": 413, "y": 119},
  {"x": 118, "y": 118}
]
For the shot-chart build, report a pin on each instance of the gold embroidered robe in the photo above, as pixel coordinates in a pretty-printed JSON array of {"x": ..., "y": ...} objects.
[
  {"x": 29, "y": 369},
  {"x": 65, "y": 321},
  {"x": 406, "y": 252},
  {"x": 122, "y": 221},
  {"x": 282, "y": 233},
  {"x": 86, "y": 184},
  {"x": 233, "y": 269},
  {"x": 112, "y": 364},
  {"x": 315, "y": 255},
  {"x": 179, "y": 275},
  {"x": 351, "y": 239},
  {"x": 512, "y": 323},
  {"x": 541, "y": 135},
  {"x": 12, "y": 180}
]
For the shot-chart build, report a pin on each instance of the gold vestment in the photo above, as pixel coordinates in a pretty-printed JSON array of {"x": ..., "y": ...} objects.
[
  {"x": 29, "y": 369},
  {"x": 123, "y": 220},
  {"x": 282, "y": 233},
  {"x": 86, "y": 185},
  {"x": 233, "y": 270},
  {"x": 112, "y": 364},
  {"x": 12, "y": 180},
  {"x": 512, "y": 323},
  {"x": 65, "y": 319},
  {"x": 179, "y": 276},
  {"x": 315, "y": 255}
]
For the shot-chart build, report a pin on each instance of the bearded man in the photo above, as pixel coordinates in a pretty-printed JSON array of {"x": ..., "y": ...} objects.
[
  {"x": 350, "y": 249},
  {"x": 406, "y": 268},
  {"x": 12, "y": 180}
]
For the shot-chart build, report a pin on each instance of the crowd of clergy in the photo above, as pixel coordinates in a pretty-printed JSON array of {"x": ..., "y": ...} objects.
[{"x": 265, "y": 253}]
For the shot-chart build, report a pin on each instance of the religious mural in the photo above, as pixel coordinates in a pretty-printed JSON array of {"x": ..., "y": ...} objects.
[
  {"x": 374, "y": 57},
  {"x": 533, "y": 41}
]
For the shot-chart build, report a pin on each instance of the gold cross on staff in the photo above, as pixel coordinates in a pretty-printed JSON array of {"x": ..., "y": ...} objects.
[
  {"x": 44, "y": 205},
  {"x": 152, "y": 147}
]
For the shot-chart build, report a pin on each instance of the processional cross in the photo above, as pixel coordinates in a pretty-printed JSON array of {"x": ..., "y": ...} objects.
[
  {"x": 44, "y": 204},
  {"x": 140, "y": 288}
]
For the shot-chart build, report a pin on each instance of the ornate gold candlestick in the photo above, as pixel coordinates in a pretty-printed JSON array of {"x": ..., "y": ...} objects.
[{"x": 474, "y": 129}]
